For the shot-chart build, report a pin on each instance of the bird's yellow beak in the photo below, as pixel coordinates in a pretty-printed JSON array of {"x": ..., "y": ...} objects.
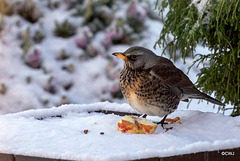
[{"x": 120, "y": 55}]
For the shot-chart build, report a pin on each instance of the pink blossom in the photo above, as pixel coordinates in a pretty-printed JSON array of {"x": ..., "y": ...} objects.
[
  {"x": 110, "y": 36},
  {"x": 34, "y": 59},
  {"x": 81, "y": 43}
]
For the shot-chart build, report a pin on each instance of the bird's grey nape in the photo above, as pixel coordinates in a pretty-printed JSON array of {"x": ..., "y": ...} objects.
[
  {"x": 146, "y": 60},
  {"x": 138, "y": 49}
]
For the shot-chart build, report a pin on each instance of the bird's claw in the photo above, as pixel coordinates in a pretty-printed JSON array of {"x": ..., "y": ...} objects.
[{"x": 171, "y": 121}]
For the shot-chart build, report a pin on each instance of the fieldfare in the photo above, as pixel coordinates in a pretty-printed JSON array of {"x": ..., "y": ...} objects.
[{"x": 152, "y": 85}]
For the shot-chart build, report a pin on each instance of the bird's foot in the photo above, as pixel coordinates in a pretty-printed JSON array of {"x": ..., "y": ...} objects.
[
  {"x": 168, "y": 120},
  {"x": 162, "y": 122}
]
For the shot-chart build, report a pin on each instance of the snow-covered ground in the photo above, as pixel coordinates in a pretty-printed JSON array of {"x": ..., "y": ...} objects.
[{"x": 38, "y": 133}]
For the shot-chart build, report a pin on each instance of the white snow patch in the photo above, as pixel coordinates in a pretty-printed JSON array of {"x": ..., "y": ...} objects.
[
  {"x": 62, "y": 137},
  {"x": 200, "y": 5}
]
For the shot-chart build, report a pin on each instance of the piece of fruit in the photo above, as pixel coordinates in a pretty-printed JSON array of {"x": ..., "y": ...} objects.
[
  {"x": 136, "y": 125},
  {"x": 171, "y": 121},
  {"x": 85, "y": 131}
]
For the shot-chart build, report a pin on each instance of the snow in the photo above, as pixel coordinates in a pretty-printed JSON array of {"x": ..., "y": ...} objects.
[
  {"x": 200, "y": 5},
  {"x": 39, "y": 133}
]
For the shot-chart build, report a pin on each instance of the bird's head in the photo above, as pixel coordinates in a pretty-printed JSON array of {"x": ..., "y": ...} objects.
[{"x": 138, "y": 58}]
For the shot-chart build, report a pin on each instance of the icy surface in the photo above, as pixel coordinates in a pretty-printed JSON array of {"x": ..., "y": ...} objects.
[{"x": 39, "y": 133}]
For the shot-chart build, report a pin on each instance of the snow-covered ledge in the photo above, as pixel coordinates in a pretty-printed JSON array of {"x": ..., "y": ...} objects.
[{"x": 58, "y": 133}]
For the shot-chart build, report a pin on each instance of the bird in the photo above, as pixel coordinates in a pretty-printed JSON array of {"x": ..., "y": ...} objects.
[{"x": 153, "y": 85}]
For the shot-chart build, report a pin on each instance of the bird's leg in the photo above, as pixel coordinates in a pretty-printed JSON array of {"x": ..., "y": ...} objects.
[
  {"x": 163, "y": 121},
  {"x": 143, "y": 115}
]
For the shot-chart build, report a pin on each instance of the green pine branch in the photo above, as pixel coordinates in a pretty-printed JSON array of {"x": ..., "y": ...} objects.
[{"x": 216, "y": 27}]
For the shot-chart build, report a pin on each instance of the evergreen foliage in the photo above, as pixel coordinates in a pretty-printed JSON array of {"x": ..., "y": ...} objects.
[
  {"x": 64, "y": 29},
  {"x": 27, "y": 9},
  {"x": 215, "y": 25}
]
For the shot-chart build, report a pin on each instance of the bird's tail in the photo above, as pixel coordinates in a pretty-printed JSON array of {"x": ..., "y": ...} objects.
[
  {"x": 204, "y": 96},
  {"x": 196, "y": 94}
]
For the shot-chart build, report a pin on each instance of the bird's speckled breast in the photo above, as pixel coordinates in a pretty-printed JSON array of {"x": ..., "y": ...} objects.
[{"x": 144, "y": 92}]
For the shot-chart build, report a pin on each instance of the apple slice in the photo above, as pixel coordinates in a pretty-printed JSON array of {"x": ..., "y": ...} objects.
[
  {"x": 171, "y": 121},
  {"x": 136, "y": 125}
]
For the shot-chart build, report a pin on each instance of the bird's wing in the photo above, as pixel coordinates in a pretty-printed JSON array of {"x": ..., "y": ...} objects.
[
  {"x": 171, "y": 76},
  {"x": 174, "y": 78}
]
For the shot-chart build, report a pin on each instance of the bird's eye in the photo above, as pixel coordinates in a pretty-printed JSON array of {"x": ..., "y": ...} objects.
[{"x": 133, "y": 57}]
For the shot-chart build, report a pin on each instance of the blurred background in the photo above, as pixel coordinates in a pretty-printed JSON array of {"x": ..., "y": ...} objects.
[{"x": 55, "y": 52}]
